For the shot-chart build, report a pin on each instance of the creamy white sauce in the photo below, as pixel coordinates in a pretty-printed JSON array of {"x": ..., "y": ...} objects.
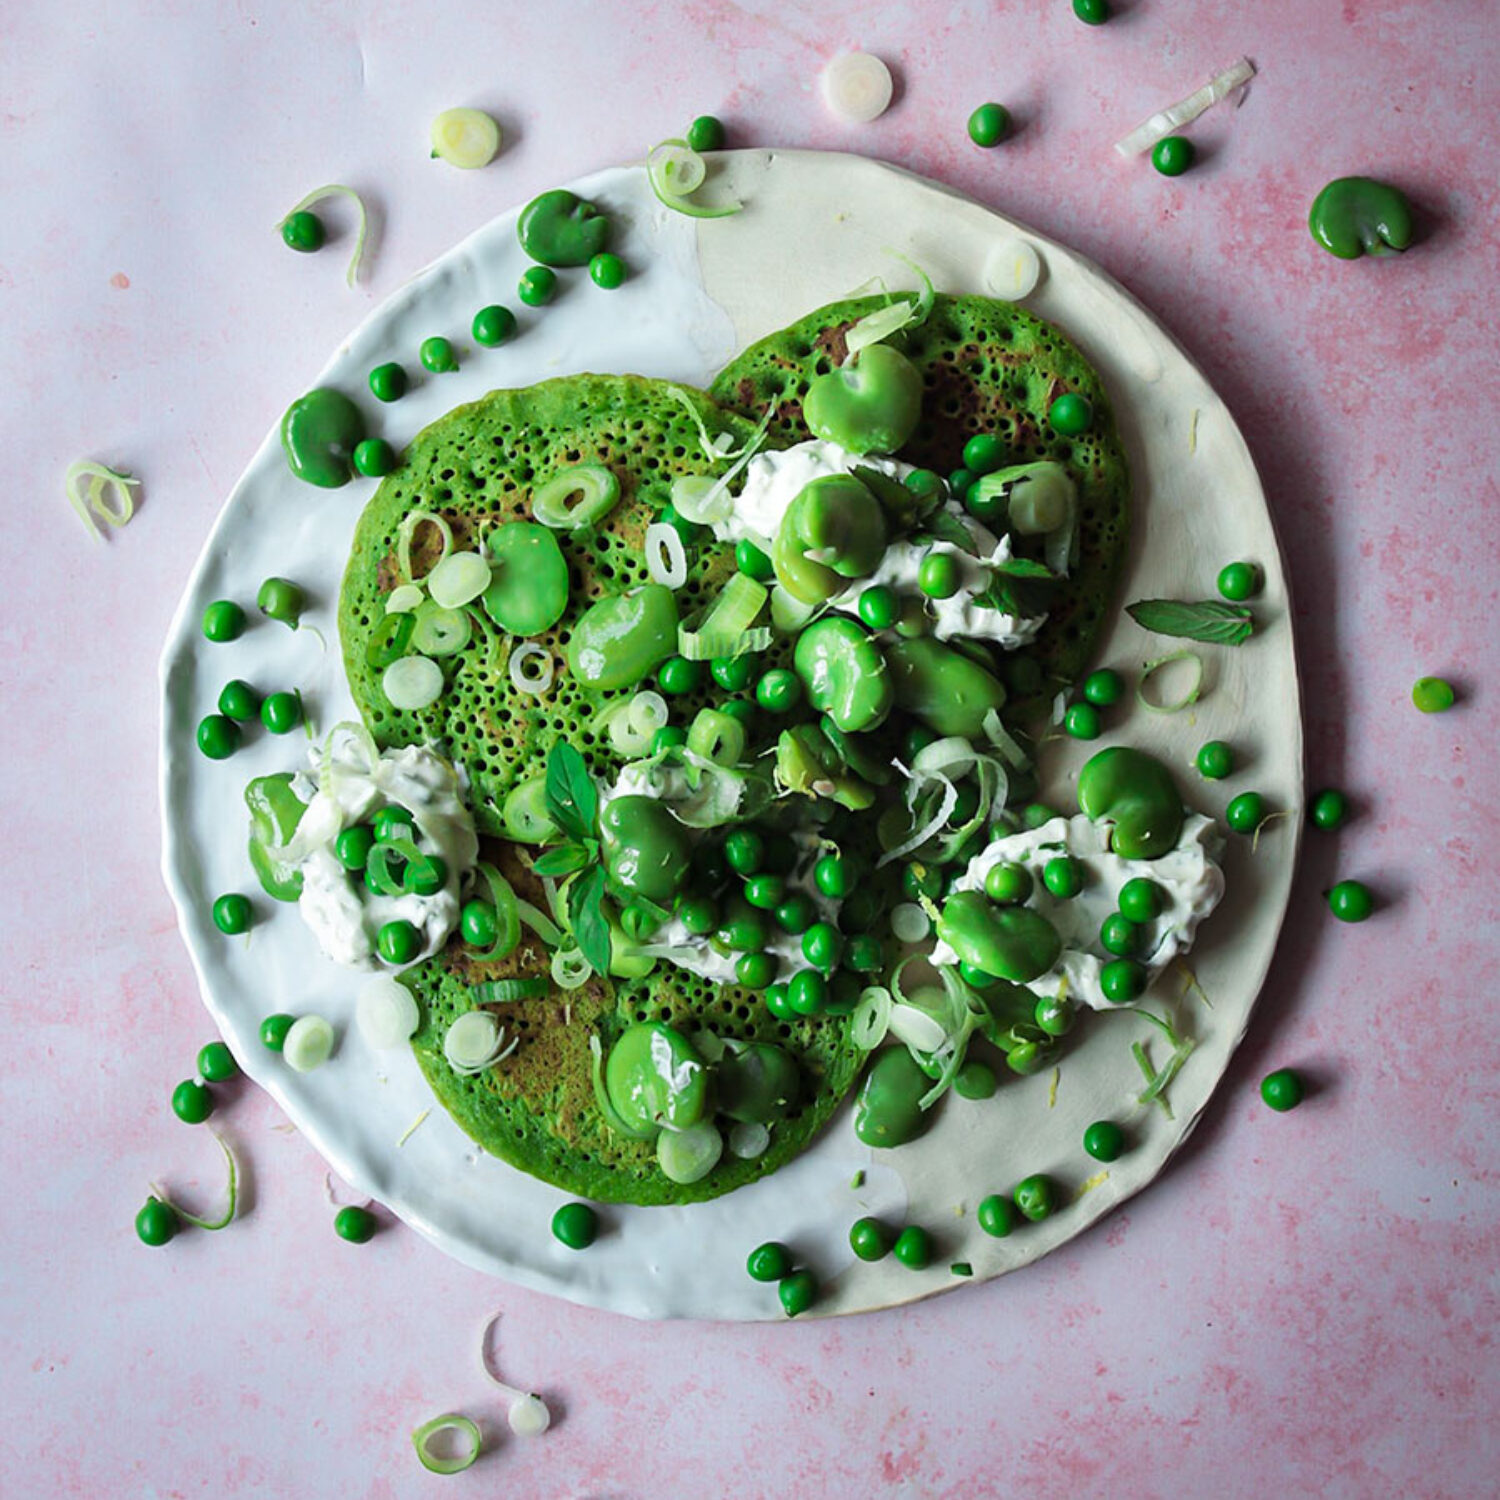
[
  {"x": 343, "y": 914},
  {"x": 1189, "y": 876}
]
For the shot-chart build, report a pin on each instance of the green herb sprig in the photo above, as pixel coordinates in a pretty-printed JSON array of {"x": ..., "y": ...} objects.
[
  {"x": 573, "y": 802},
  {"x": 1207, "y": 620}
]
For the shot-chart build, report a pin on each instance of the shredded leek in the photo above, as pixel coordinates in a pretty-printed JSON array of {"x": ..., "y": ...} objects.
[
  {"x": 449, "y": 1422},
  {"x": 412, "y": 1129},
  {"x": 338, "y": 190},
  {"x": 1089, "y": 1184},
  {"x": 232, "y": 1193},
  {"x": 895, "y": 317},
  {"x": 1052, "y": 1088},
  {"x": 500, "y": 991},
  {"x": 404, "y": 535},
  {"x": 1185, "y": 111},
  {"x": 666, "y": 555},
  {"x": 703, "y": 645},
  {"x": 541, "y": 924},
  {"x": 871, "y": 1018},
  {"x": 737, "y": 608},
  {"x": 1173, "y": 705},
  {"x": 90, "y": 500},
  {"x": 675, "y": 171}
]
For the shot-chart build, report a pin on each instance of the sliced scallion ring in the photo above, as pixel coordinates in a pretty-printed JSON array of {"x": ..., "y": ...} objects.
[
  {"x": 871, "y": 1018},
  {"x": 632, "y": 724},
  {"x": 698, "y": 498},
  {"x": 466, "y": 138},
  {"x": 386, "y": 1012},
  {"x": 106, "y": 495},
  {"x": 675, "y": 170},
  {"x": 570, "y": 969},
  {"x": 717, "y": 737},
  {"x": 232, "y": 1193},
  {"x": 308, "y": 1044},
  {"x": 909, "y": 923},
  {"x": 411, "y": 683},
  {"x": 666, "y": 556},
  {"x": 404, "y": 598},
  {"x": 578, "y": 496},
  {"x": 540, "y": 923},
  {"x": 531, "y": 669},
  {"x": 454, "y": 1463},
  {"x": 857, "y": 87},
  {"x": 338, "y": 190},
  {"x": 476, "y": 1041},
  {"x": 440, "y": 631},
  {"x": 748, "y": 1139},
  {"x": 705, "y": 645},
  {"x": 408, "y": 530},
  {"x": 459, "y": 578},
  {"x": 916, "y": 1028},
  {"x": 1189, "y": 694},
  {"x": 504, "y": 991}
]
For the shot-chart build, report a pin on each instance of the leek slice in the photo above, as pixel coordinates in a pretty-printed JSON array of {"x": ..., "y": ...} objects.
[
  {"x": 90, "y": 500},
  {"x": 703, "y": 645},
  {"x": 386, "y": 1012},
  {"x": 1185, "y": 111},
  {"x": 1188, "y": 696},
  {"x": 503, "y": 991},
  {"x": 507, "y": 914},
  {"x": 337, "y": 190},
  {"x": 407, "y": 531},
  {"x": 464, "y": 138},
  {"x": 232, "y": 1193},
  {"x": 674, "y": 171},
  {"x": 457, "y": 1462}
]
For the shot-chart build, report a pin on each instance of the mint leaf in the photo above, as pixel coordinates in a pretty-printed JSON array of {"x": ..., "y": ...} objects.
[
  {"x": 586, "y": 918},
  {"x": 1019, "y": 586},
  {"x": 943, "y": 526},
  {"x": 561, "y": 861},
  {"x": 1206, "y": 620},
  {"x": 571, "y": 797}
]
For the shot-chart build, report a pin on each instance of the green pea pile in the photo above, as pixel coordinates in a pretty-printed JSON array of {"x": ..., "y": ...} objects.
[{"x": 220, "y": 734}]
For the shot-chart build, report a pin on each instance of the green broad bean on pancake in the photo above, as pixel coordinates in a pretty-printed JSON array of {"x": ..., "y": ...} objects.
[{"x": 987, "y": 367}]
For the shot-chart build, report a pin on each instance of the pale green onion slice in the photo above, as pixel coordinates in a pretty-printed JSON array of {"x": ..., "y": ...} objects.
[
  {"x": 408, "y": 530},
  {"x": 737, "y": 608},
  {"x": 1038, "y": 496},
  {"x": 1002, "y": 739},
  {"x": 748, "y": 1139},
  {"x": 106, "y": 495},
  {"x": 507, "y": 914},
  {"x": 540, "y": 923},
  {"x": 576, "y": 497},
  {"x": 916, "y": 1028},
  {"x": 570, "y": 969},
  {"x": 466, "y": 138},
  {"x": 232, "y": 1193},
  {"x": 531, "y": 668},
  {"x": 504, "y": 991},
  {"x": 1185, "y": 111},
  {"x": 308, "y": 1044},
  {"x": 457, "y": 579},
  {"x": 404, "y": 598},
  {"x": 666, "y": 556},
  {"x": 871, "y": 1018},
  {"x": 789, "y": 614},
  {"x": 528, "y": 1415},
  {"x": 887, "y": 321},
  {"x": 632, "y": 724},
  {"x": 454, "y": 1463},
  {"x": 703, "y": 645},
  {"x": 689, "y": 1155},
  {"x": 675, "y": 170},
  {"x": 699, "y": 499},
  {"x": 1190, "y": 692},
  {"x": 717, "y": 737},
  {"x": 476, "y": 1041},
  {"x": 909, "y": 923},
  {"x": 857, "y": 87},
  {"x": 441, "y": 632},
  {"x": 338, "y": 190},
  {"x": 411, "y": 683},
  {"x": 1012, "y": 270},
  {"x": 386, "y": 1012}
]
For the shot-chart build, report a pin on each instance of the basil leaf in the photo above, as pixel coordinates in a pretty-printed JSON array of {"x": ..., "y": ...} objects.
[
  {"x": 561, "y": 861},
  {"x": 943, "y": 526},
  {"x": 571, "y": 797},
  {"x": 1206, "y": 620},
  {"x": 586, "y": 918}
]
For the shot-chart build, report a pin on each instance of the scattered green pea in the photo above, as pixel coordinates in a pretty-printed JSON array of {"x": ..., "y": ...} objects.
[
  {"x": 1104, "y": 1140},
  {"x": 374, "y": 458},
  {"x": 232, "y": 914},
  {"x": 765, "y": 891},
  {"x": 706, "y": 133},
  {"x": 1246, "y": 812},
  {"x": 668, "y": 737},
  {"x": 1063, "y": 876},
  {"x": 752, "y": 562},
  {"x": 834, "y": 875},
  {"x": 1070, "y": 414},
  {"x": 797, "y": 1292},
  {"x": 869, "y": 1239},
  {"x": 1120, "y": 936},
  {"x": 352, "y": 847},
  {"x": 282, "y": 600},
  {"x": 355, "y": 1224},
  {"x": 1215, "y": 760},
  {"x": 975, "y": 1080},
  {"x": 437, "y": 355},
  {"x": 218, "y": 736},
  {"x": 493, "y": 325},
  {"x": 1351, "y": 901},
  {"x": 1054, "y": 1014},
  {"x": 733, "y": 673},
  {"x": 192, "y": 1102},
  {"x": 223, "y": 620},
  {"x": 303, "y": 231},
  {"x": 879, "y": 607},
  {"x": 575, "y": 1225},
  {"x": 823, "y": 946},
  {"x": 393, "y": 823},
  {"x": 984, "y": 453},
  {"x": 989, "y": 125},
  {"x": 1433, "y": 695},
  {"x": 216, "y": 1063},
  {"x": 1239, "y": 581},
  {"x": 1034, "y": 814},
  {"x": 1122, "y": 980},
  {"x": 678, "y": 675},
  {"x": 537, "y": 286},
  {"x": 996, "y": 1215},
  {"x": 273, "y": 1030},
  {"x": 985, "y": 506},
  {"x": 1091, "y": 12},
  {"x": 960, "y": 482},
  {"x": 796, "y": 914},
  {"x": 779, "y": 1003},
  {"x": 769, "y": 1262},
  {"x": 1035, "y": 1196},
  {"x": 756, "y": 971},
  {"x": 913, "y": 1248},
  {"x": 939, "y": 576},
  {"x": 398, "y": 942},
  {"x": 1172, "y": 156},
  {"x": 1329, "y": 810},
  {"x": 281, "y": 712},
  {"x": 156, "y": 1223},
  {"x": 1282, "y": 1090},
  {"x": 1104, "y": 688},
  {"x": 239, "y": 701},
  {"x": 1008, "y": 884},
  {"x": 1141, "y": 899},
  {"x": 607, "y": 271},
  {"x": 779, "y": 691},
  {"x": 388, "y": 382},
  {"x": 1082, "y": 722},
  {"x": 744, "y": 851},
  {"x": 865, "y": 954},
  {"x": 807, "y": 992}
]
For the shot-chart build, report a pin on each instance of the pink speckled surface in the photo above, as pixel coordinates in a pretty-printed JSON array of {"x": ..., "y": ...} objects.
[{"x": 1303, "y": 1304}]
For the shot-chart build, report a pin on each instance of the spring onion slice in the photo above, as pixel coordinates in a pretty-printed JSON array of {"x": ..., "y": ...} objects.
[
  {"x": 411, "y": 683},
  {"x": 379, "y": 875},
  {"x": 338, "y": 190},
  {"x": 892, "y": 319},
  {"x": 458, "y": 579},
  {"x": 718, "y": 449},
  {"x": 308, "y": 1044},
  {"x": 507, "y": 914},
  {"x": 789, "y": 614},
  {"x": 675, "y": 170},
  {"x": 502, "y": 991},
  {"x": 633, "y": 724},
  {"x": 698, "y": 498},
  {"x": 1156, "y": 1088},
  {"x": 386, "y": 1012},
  {"x": 1173, "y": 705},
  {"x": 871, "y": 1018},
  {"x": 1185, "y": 111},
  {"x": 1002, "y": 739},
  {"x": 449, "y": 1422},
  {"x": 476, "y": 1041},
  {"x": 465, "y": 138},
  {"x": 576, "y": 497},
  {"x": 909, "y": 923},
  {"x": 404, "y": 598},
  {"x": 857, "y": 87},
  {"x": 703, "y": 645},
  {"x": 717, "y": 737},
  {"x": 408, "y": 530},
  {"x": 916, "y": 1028},
  {"x": 540, "y": 923},
  {"x": 736, "y": 609},
  {"x": 524, "y": 679},
  {"x": 90, "y": 500},
  {"x": 570, "y": 969},
  {"x": 666, "y": 556},
  {"x": 233, "y": 1193},
  {"x": 441, "y": 631}
]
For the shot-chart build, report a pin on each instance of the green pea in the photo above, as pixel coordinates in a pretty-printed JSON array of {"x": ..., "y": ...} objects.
[
  {"x": 646, "y": 851},
  {"x": 575, "y": 1225},
  {"x": 741, "y": 710},
  {"x": 1354, "y": 216},
  {"x": 834, "y": 875},
  {"x": 1063, "y": 876},
  {"x": 733, "y": 673},
  {"x": 1433, "y": 695},
  {"x": 223, "y": 620},
  {"x": 1120, "y": 936},
  {"x": 273, "y": 1031},
  {"x": 398, "y": 942},
  {"x": 655, "y": 1080},
  {"x": 1351, "y": 901},
  {"x": 352, "y": 847},
  {"x": 478, "y": 924},
  {"x": 779, "y": 691},
  {"x": 698, "y": 914},
  {"x": 984, "y": 452},
  {"x": 607, "y": 271},
  {"x": 744, "y": 851},
  {"x": 987, "y": 506},
  {"x": 947, "y": 690},
  {"x": 678, "y": 675},
  {"x": 960, "y": 482},
  {"x": 1215, "y": 760},
  {"x": 871, "y": 405},
  {"x": 1104, "y": 1140},
  {"x": 192, "y": 1103},
  {"x": 769, "y": 1262},
  {"x": 239, "y": 701},
  {"x": 870, "y": 1240},
  {"x": 619, "y": 640},
  {"x": 156, "y": 1223},
  {"x": 996, "y": 1215},
  {"x": 318, "y": 433},
  {"x": 1135, "y": 792},
  {"x": 537, "y": 286},
  {"x": 1328, "y": 810},
  {"x": 425, "y": 877},
  {"x": 232, "y": 914},
  {"x": 1054, "y": 1015},
  {"x": 939, "y": 575},
  {"x": 281, "y": 600},
  {"x": 823, "y": 946},
  {"x": 1013, "y": 942},
  {"x": 865, "y": 954},
  {"x": 1246, "y": 812},
  {"x": 1239, "y": 581},
  {"x": 742, "y": 931},
  {"x": 778, "y": 1003},
  {"x": 354, "y": 1224},
  {"x": 493, "y": 325},
  {"x": 1008, "y": 884},
  {"x": 1282, "y": 1090},
  {"x": 1172, "y": 155},
  {"x": 388, "y": 382},
  {"x": 303, "y": 231},
  {"x": 374, "y": 458},
  {"x": 879, "y": 607},
  {"x": 1028, "y": 1057},
  {"x": 913, "y": 1248},
  {"x": 1082, "y": 722},
  {"x": 1141, "y": 899},
  {"x": 218, "y": 736},
  {"x": 558, "y": 228},
  {"x": 1070, "y": 414},
  {"x": 977, "y": 978},
  {"x": 975, "y": 1080},
  {"x": 1091, "y": 12},
  {"x": 807, "y": 992},
  {"x": 756, "y": 971},
  {"x": 925, "y": 484},
  {"x": 796, "y": 914},
  {"x": 1104, "y": 688},
  {"x": 437, "y": 355},
  {"x": 1122, "y": 980},
  {"x": 1035, "y": 814},
  {"x": 281, "y": 712},
  {"x": 797, "y": 1292},
  {"x": 765, "y": 891},
  {"x": 706, "y": 133},
  {"x": 668, "y": 737},
  {"x": 988, "y": 126},
  {"x": 752, "y": 562},
  {"x": 392, "y": 823},
  {"x": 1035, "y": 1196}
]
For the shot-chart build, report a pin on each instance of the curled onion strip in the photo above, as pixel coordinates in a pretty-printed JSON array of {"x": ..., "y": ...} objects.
[
  {"x": 422, "y": 1438},
  {"x": 233, "y": 1195},
  {"x": 106, "y": 495},
  {"x": 871, "y": 1018},
  {"x": 570, "y": 969},
  {"x": 338, "y": 190},
  {"x": 507, "y": 914},
  {"x": 534, "y": 680},
  {"x": 408, "y": 531},
  {"x": 666, "y": 557},
  {"x": 1185, "y": 111},
  {"x": 1190, "y": 693},
  {"x": 674, "y": 171}
]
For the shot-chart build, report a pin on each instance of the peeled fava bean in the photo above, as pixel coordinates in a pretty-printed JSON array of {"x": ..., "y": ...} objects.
[{"x": 844, "y": 672}]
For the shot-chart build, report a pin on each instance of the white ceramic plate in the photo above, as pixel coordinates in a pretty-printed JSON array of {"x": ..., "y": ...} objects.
[{"x": 815, "y": 227}]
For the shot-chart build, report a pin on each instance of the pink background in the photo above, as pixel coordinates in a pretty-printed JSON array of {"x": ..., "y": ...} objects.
[{"x": 1303, "y": 1304}]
